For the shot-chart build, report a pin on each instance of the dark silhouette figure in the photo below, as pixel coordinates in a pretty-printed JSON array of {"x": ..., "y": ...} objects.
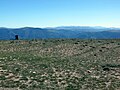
[{"x": 16, "y": 37}]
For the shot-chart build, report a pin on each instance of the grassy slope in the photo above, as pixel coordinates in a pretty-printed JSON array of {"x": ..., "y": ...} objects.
[{"x": 60, "y": 64}]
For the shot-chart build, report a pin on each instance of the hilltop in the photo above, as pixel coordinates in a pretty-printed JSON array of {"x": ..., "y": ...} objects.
[{"x": 60, "y": 64}]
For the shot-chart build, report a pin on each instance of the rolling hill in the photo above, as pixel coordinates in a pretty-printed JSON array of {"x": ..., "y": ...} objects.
[{"x": 60, "y": 32}]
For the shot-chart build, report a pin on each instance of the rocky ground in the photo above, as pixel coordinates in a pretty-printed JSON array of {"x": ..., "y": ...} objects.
[{"x": 60, "y": 64}]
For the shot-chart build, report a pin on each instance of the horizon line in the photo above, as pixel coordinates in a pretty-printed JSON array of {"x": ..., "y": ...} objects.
[{"x": 58, "y": 26}]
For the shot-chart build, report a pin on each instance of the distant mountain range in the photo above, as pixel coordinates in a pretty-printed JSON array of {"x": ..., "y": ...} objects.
[{"x": 84, "y": 32}]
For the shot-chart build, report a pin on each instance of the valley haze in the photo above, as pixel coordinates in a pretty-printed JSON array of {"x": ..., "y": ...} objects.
[{"x": 82, "y": 32}]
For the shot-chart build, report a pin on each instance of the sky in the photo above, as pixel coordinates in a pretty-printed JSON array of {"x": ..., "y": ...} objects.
[{"x": 53, "y": 13}]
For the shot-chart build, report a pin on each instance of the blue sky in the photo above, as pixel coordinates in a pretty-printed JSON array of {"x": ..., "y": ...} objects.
[{"x": 52, "y": 13}]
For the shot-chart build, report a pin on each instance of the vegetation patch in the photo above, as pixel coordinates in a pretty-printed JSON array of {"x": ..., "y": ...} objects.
[{"x": 60, "y": 64}]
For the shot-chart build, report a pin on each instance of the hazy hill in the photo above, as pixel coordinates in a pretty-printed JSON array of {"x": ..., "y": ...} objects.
[{"x": 60, "y": 32}]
